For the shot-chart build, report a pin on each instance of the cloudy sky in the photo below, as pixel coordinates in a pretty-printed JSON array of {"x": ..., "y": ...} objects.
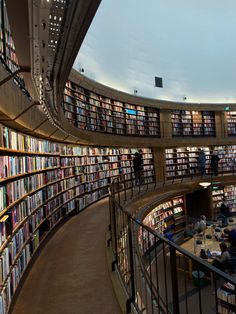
[{"x": 191, "y": 44}]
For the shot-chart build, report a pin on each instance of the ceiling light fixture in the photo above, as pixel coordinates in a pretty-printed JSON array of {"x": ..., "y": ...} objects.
[{"x": 205, "y": 184}]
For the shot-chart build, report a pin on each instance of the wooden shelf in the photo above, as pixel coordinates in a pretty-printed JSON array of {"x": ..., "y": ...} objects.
[
  {"x": 162, "y": 216},
  {"x": 193, "y": 123},
  {"x": 37, "y": 200},
  {"x": 91, "y": 111}
]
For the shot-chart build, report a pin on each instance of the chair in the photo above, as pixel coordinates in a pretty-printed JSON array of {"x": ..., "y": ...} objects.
[{"x": 231, "y": 265}]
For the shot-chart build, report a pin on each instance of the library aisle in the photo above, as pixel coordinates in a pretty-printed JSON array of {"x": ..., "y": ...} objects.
[{"x": 71, "y": 273}]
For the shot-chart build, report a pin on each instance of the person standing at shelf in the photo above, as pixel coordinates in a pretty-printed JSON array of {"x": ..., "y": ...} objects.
[
  {"x": 214, "y": 163},
  {"x": 138, "y": 167},
  {"x": 202, "y": 162},
  {"x": 224, "y": 212}
]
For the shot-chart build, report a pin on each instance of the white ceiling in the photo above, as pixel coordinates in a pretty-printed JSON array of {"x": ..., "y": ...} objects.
[{"x": 191, "y": 44}]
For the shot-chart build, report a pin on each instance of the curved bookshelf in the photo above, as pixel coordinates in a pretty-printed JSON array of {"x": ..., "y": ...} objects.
[
  {"x": 41, "y": 182},
  {"x": 183, "y": 161},
  {"x": 88, "y": 110},
  {"x": 193, "y": 123}
]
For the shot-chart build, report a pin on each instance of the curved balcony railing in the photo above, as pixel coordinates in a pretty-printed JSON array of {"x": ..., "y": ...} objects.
[{"x": 158, "y": 275}]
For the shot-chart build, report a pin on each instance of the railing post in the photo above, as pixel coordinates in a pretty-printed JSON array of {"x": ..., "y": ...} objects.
[
  {"x": 118, "y": 184},
  {"x": 109, "y": 240},
  {"x": 132, "y": 185},
  {"x": 113, "y": 224},
  {"x": 110, "y": 202},
  {"x": 131, "y": 257},
  {"x": 174, "y": 279},
  {"x": 125, "y": 190}
]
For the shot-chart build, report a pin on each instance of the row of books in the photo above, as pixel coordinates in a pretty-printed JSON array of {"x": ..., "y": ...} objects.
[
  {"x": 14, "y": 165},
  {"x": 18, "y": 142},
  {"x": 101, "y": 124},
  {"x": 15, "y": 257},
  {"x": 22, "y": 142},
  {"x": 92, "y": 101},
  {"x": 27, "y": 205},
  {"x": 184, "y": 158},
  {"x": 158, "y": 216},
  {"x": 11, "y": 270},
  {"x": 75, "y": 161},
  {"x": 13, "y": 191},
  {"x": 89, "y": 111},
  {"x": 24, "y": 208},
  {"x": 55, "y": 218},
  {"x": 69, "y": 206}
]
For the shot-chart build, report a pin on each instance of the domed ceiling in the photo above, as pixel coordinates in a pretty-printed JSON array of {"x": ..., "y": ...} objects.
[{"x": 190, "y": 44}]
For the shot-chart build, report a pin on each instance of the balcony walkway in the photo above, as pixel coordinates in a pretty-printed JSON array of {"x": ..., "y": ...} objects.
[{"x": 71, "y": 274}]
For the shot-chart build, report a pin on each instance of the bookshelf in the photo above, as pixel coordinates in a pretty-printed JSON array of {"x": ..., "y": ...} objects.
[
  {"x": 41, "y": 182},
  {"x": 168, "y": 216},
  {"x": 217, "y": 198},
  {"x": 227, "y": 192},
  {"x": 7, "y": 47},
  {"x": 88, "y": 110},
  {"x": 183, "y": 161},
  {"x": 226, "y": 299},
  {"x": 227, "y": 155},
  {"x": 231, "y": 123},
  {"x": 193, "y": 123}
]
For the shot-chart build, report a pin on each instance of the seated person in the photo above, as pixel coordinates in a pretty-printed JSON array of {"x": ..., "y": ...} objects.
[
  {"x": 225, "y": 234},
  {"x": 201, "y": 225},
  {"x": 221, "y": 262},
  {"x": 189, "y": 230}
]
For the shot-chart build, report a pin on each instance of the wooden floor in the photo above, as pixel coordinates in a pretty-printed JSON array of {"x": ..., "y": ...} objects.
[{"x": 71, "y": 274}]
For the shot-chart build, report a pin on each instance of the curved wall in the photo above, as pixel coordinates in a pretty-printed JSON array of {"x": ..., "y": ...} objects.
[{"x": 41, "y": 183}]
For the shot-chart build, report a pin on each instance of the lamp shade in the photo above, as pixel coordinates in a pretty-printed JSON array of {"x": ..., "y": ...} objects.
[{"x": 205, "y": 184}]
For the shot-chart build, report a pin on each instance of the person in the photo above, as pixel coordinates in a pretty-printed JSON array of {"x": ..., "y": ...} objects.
[
  {"x": 138, "y": 167},
  {"x": 221, "y": 262},
  {"x": 200, "y": 226},
  {"x": 202, "y": 162},
  {"x": 189, "y": 231},
  {"x": 214, "y": 163},
  {"x": 224, "y": 212}
]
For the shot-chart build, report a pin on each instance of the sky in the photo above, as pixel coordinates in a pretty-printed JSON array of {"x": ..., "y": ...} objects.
[{"x": 191, "y": 44}]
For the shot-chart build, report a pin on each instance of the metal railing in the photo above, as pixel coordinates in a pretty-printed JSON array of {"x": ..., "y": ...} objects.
[{"x": 157, "y": 274}]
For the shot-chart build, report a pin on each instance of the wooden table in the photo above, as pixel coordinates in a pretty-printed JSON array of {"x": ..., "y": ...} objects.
[{"x": 212, "y": 244}]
